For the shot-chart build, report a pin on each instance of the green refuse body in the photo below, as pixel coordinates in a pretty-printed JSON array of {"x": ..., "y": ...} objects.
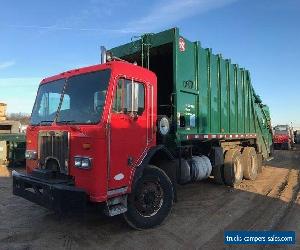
[
  {"x": 12, "y": 149},
  {"x": 204, "y": 95}
]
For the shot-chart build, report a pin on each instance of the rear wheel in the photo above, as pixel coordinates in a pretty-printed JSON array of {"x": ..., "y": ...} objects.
[
  {"x": 272, "y": 147},
  {"x": 151, "y": 200},
  {"x": 286, "y": 146},
  {"x": 250, "y": 163},
  {"x": 218, "y": 173},
  {"x": 233, "y": 168}
]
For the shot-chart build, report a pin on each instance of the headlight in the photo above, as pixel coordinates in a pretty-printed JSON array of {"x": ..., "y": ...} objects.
[
  {"x": 83, "y": 162},
  {"x": 77, "y": 162},
  {"x": 30, "y": 155}
]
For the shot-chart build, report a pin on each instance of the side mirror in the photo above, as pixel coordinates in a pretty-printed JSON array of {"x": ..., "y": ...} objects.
[{"x": 132, "y": 98}]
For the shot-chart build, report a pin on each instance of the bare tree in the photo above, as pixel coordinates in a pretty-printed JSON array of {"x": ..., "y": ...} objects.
[{"x": 22, "y": 117}]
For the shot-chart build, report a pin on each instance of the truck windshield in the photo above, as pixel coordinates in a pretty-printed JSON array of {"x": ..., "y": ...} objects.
[
  {"x": 281, "y": 130},
  {"x": 77, "y": 100}
]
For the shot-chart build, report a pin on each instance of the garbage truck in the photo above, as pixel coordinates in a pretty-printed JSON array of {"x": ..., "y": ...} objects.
[
  {"x": 283, "y": 137},
  {"x": 158, "y": 112}
]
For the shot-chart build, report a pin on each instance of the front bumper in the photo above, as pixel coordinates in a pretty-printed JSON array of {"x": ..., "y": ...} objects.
[{"x": 54, "y": 194}]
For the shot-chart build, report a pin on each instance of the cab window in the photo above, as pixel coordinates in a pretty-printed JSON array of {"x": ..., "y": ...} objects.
[{"x": 121, "y": 95}]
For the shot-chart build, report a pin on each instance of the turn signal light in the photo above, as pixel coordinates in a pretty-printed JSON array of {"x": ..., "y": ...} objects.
[{"x": 86, "y": 145}]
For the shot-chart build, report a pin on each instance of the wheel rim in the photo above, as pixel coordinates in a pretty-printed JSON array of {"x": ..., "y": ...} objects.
[
  {"x": 237, "y": 165},
  {"x": 149, "y": 198},
  {"x": 253, "y": 164}
]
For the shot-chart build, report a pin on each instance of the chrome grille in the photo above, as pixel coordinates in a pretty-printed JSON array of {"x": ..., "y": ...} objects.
[{"x": 54, "y": 145}]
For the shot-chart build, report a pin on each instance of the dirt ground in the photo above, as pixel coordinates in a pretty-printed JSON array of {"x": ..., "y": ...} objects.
[{"x": 198, "y": 220}]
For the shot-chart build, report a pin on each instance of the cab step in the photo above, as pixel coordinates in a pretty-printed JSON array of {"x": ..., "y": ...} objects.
[{"x": 116, "y": 206}]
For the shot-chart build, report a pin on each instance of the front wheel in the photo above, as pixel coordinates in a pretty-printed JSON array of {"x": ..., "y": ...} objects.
[{"x": 151, "y": 199}]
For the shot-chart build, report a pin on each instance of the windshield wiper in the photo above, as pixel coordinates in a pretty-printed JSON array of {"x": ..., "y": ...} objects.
[
  {"x": 61, "y": 100},
  {"x": 45, "y": 121},
  {"x": 65, "y": 122}
]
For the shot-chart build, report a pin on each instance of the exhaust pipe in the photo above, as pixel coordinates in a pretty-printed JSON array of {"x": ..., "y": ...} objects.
[{"x": 103, "y": 54}]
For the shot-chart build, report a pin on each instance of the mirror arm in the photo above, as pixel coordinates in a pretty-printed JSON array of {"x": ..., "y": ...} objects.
[
  {"x": 133, "y": 115},
  {"x": 132, "y": 95}
]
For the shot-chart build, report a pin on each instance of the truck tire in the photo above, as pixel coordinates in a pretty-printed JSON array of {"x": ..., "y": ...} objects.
[
  {"x": 272, "y": 147},
  {"x": 259, "y": 163},
  {"x": 218, "y": 173},
  {"x": 250, "y": 163},
  {"x": 151, "y": 199},
  {"x": 233, "y": 167},
  {"x": 286, "y": 146}
]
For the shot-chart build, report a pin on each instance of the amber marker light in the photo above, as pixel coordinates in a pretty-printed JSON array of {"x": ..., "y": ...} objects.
[{"x": 86, "y": 145}]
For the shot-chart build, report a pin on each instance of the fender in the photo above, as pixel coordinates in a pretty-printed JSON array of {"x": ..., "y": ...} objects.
[{"x": 151, "y": 152}]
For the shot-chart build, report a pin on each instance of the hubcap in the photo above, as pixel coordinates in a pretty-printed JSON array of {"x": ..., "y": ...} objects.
[{"x": 149, "y": 198}]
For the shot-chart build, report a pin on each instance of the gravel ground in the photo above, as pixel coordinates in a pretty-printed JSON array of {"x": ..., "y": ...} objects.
[{"x": 198, "y": 220}]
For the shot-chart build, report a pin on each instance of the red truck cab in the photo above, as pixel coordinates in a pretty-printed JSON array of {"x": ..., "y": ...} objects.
[
  {"x": 82, "y": 127},
  {"x": 283, "y": 137}
]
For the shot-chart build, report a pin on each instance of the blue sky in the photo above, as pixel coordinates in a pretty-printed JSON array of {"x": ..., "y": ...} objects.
[{"x": 39, "y": 38}]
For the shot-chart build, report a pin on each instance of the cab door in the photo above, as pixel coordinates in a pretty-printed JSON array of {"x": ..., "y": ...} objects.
[{"x": 128, "y": 130}]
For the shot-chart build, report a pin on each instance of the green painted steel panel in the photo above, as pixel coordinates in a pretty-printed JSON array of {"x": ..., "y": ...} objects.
[
  {"x": 186, "y": 72},
  {"x": 187, "y": 86},
  {"x": 215, "y": 99},
  {"x": 187, "y": 106},
  {"x": 224, "y": 96},
  {"x": 204, "y": 91},
  {"x": 240, "y": 101},
  {"x": 232, "y": 98},
  {"x": 212, "y": 94},
  {"x": 246, "y": 104},
  {"x": 252, "y": 110}
]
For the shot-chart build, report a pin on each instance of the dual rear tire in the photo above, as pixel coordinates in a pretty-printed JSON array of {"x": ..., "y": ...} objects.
[
  {"x": 286, "y": 146},
  {"x": 250, "y": 163},
  {"x": 237, "y": 166},
  {"x": 233, "y": 167}
]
